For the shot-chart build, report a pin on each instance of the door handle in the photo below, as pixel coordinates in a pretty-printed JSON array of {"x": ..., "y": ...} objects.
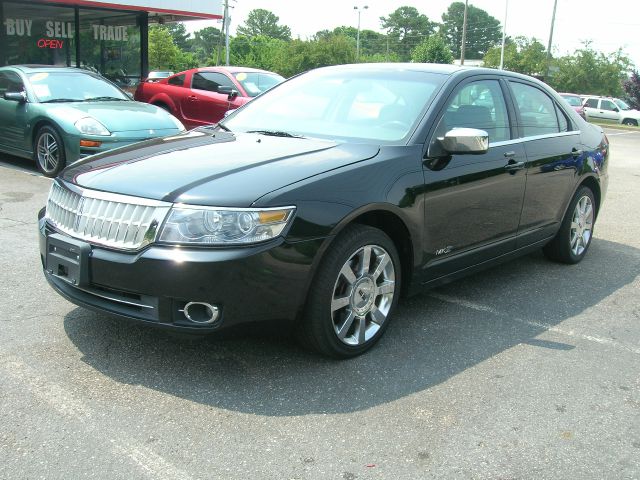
[
  {"x": 512, "y": 166},
  {"x": 193, "y": 98},
  {"x": 509, "y": 154}
]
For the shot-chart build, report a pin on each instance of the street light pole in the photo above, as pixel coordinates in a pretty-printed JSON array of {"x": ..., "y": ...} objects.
[
  {"x": 504, "y": 34},
  {"x": 464, "y": 32},
  {"x": 359, "y": 9},
  {"x": 553, "y": 21}
]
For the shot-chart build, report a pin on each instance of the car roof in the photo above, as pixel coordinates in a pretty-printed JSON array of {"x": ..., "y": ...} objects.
[
  {"x": 231, "y": 69},
  {"x": 46, "y": 68}
]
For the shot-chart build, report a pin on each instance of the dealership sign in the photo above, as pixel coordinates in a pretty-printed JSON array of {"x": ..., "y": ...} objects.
[{"x": 21, "y": 27}]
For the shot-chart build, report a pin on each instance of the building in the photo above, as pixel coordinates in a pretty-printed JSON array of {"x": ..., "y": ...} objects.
[{"x": 110, "y": 37}]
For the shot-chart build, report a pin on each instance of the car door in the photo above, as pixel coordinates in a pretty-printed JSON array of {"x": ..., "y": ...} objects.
[
  {"x": 609, "y": 112},
  {"x": 13, "y": 114},
  {"x": 591, "y": 109},
  {"x": 206, "y": 105},
  {"x": 553, "y": 150},
  {"x": 473, "y": 202}
]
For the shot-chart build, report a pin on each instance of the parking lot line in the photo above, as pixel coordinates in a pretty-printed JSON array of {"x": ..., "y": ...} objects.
[
  {"x": 67, "y": 405},
  {"x": 551, "y": 328}
]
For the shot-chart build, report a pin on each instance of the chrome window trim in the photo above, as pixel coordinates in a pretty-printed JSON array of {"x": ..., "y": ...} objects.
[{"x": 533, "y": 138}]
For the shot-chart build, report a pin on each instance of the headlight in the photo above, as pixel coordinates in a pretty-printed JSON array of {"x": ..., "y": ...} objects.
[
  {"x": 91, "y": 126},
  {"x": 224, "y": 226}
]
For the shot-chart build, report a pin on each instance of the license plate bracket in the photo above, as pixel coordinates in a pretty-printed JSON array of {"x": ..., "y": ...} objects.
[{"x": 68, "y": 259}]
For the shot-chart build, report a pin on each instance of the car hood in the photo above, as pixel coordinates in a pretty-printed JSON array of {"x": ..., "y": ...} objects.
[
  {"x": 116, "y": 116},
  {"x": 206, "y": 167}
]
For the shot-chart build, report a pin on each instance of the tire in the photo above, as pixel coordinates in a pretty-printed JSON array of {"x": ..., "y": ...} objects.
[
  {"x": 571, "y": 243},
  {"x": 630, "y": 122},
  {"x": 48, "y": 151},
  {"x": 349, "y": 305}
]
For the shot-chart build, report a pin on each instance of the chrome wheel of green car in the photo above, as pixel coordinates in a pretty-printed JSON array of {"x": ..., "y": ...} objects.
[{"x": 49, "y": 151}]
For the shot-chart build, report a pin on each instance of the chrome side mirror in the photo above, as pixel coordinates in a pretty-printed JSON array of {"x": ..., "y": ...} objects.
[
  {"x": 465, "y": 140},
  {"x": 20, "y": 97}
]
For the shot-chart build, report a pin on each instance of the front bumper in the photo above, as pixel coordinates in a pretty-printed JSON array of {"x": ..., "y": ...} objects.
[{"x": 259, "y": 283}]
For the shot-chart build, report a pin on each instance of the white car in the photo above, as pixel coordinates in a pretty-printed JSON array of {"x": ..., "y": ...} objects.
[{"x": 608, "y": 109}]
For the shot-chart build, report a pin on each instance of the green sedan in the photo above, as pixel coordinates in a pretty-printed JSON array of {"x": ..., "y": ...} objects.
[{"x": 57, "y": 115}]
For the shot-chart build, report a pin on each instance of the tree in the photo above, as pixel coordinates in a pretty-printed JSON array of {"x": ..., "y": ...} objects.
[
  {"x": 433, "y": 50},
  {"x": 204, "y": 43},
  {"x": 632, "y": 89},
  {"x": 265, "y": 23},
  {"x": 407, "y": 27},
  {"x": 522, "y": 55},
  {"x": 483, "y": 30},
  {"x": 180, "y": 36},
  {"x": 371, "y": 43},
  {"x": 164, "y": 53},
  {"x": 592, "y": 72}
]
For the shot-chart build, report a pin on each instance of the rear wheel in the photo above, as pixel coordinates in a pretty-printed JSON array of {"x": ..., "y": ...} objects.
[
  {"x": 48, "y": 151},
  {"x": 572, "y": 241},
  {"x": 353, "y": 295}
]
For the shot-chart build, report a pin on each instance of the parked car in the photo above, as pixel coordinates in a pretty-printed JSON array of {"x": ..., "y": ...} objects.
[
  {"x": 202, "y": 96},
  {"x": 575, "y": 101},
  {"x": 57, "y": 115},
  {"x": 157, "y": 75},
  {"x": 610, "y": 110},
  {"x": 324, "y": 200}
]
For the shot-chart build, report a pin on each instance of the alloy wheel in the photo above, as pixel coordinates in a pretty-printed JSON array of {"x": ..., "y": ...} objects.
[
  {"x": 362, "y": 295},
  {"x": 47, "y": 151},
  {"x": 581, "y": 225}
]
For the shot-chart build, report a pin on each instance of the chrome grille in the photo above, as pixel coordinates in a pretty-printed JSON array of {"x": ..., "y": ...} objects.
[{"x": 117, "y": 221}]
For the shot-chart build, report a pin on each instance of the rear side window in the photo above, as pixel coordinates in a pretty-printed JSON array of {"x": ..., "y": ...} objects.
[
  {"x": 591, "y": 103},
  {"x": 562, "y": 120},
  {"x": 607, "y": 105},
  {"x": 178, "y": 80},
  {"x": 537, "y": 110}
]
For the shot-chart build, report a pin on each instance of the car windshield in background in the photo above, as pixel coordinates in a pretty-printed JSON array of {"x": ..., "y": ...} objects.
[
  {"x": 621, "y": 104},
  {"x": 573, "y": 100},
  {"x": 256, "y": 83},
  {"x": 53, "y": 87},
  {"x": 372, "y": 105}
]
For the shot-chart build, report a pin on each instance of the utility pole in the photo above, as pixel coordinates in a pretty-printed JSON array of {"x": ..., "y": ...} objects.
[
  {"x": 464, "y": 32},
  {"x": 504, "y": 34},
  {"x": 359, "y": 9},
  {"x": 222, "y": 30},
  {"x": 226, "y": 30},
  {"x": 553, "y": 21}
]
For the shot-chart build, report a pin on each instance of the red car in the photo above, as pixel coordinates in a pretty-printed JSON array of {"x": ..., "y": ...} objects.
[
  {"x": 201, "y": 96},
  {"x": 575, "y": 102}
]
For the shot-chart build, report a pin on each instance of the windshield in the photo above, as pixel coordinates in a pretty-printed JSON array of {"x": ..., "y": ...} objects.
[
  {"x": 72, "y": 87},
  {"x": 621, "y": 104},
  {"x": 573, "y": 100},
  {"x": 382, "y": 106},
  {"x": 256, "y": 83}
]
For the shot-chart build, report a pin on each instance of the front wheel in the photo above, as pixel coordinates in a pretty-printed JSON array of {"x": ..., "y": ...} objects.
[
  {"x": 630, "y": 122},
  {"x": 572, "y": 241},
  {"x": 353, "y": 295},
  {"x": 48, "y": 151}
]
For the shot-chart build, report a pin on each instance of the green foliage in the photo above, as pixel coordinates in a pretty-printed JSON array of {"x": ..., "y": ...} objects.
[
  {"x": 483, "y": 30},
  {"x": 632, "y": 89},
  {"x": 592, "y": 72},
  {"x": 433, "y": 50},
  {"x": 205, "y": 43},
  {"x": 407, "y": 27},
  {"x": 261, "y": 22},
  {"x": 522, "y": 55},
  {"x": 258, "y": 52},
  {"x": 164, "y": 54},
  {"x": 180, "y": 36}
]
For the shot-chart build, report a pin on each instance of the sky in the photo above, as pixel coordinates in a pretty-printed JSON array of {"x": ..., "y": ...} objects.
[{"x": 608, "y": 24}]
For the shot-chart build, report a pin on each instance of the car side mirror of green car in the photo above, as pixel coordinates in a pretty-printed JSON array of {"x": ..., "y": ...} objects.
[
  {"x": 19, "y": 97},
  {"x": 465, "y": 141}
]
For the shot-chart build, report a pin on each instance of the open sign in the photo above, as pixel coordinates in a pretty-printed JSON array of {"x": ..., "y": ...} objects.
[{"x": 50, "y": 43}]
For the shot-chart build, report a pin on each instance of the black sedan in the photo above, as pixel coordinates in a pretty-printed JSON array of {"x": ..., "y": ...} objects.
[{"x": 325, "y": 200}]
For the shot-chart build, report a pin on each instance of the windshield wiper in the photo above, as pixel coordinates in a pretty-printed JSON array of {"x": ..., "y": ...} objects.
[
  {"x": 62, "y": 100},
  {"x": 92, "y": 99},
  {"x": 275, "y": 133},
  {"x": 223, "y": 127}
]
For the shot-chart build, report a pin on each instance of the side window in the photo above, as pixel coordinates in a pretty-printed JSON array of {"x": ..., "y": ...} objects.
[
  {"x": 210, "y": 81},
  {"x": 177, "y": 80},
  {"x": 563, "y": 120},
  {"x": 607, "y": 105},
  {"x": 10, "y": 82},
  {"x": 478, "y": 105},
  {"x": 591, "y": 103},
  {"x": 537, "y": 110}
]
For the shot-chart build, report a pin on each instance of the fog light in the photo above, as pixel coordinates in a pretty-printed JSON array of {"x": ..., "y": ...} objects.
[
  {"x": 200, "y": 312},
  {"x": 89, "y": 143}
]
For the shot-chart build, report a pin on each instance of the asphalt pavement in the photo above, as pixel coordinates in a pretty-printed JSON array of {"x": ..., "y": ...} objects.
[{"x": 530, "y": 370}]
